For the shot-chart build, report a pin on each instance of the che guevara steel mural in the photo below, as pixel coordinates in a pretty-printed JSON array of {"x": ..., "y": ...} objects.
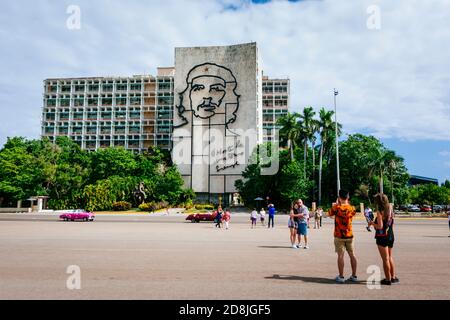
[{"x": 210, "y": 100}]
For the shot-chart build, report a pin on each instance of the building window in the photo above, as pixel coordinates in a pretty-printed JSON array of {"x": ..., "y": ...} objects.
[
  {"x": 93, "y": 87},
  {"x": 121, "y": 87},
  {"x": 135, "y": 87},
  {"x": 107, "y": 87}
]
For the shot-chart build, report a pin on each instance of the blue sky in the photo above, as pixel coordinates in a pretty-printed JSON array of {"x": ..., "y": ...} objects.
[{"x": 388, "y": 59}]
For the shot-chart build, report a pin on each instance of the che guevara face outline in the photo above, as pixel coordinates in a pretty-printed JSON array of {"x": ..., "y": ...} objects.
[
  {"x": 206, "y": 95},
  {"x": 210, "y": 90}
]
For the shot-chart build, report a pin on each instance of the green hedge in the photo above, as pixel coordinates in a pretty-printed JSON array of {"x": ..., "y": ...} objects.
[
  {"x": 153, "y": 206},
  {"x": 121, "y": 206},
  {"x": 204, "y": 207}
]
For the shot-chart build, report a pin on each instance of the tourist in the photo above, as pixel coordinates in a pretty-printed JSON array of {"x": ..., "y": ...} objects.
[
  {"x": 271, "y": 215},
  {"x": 302, "y": 223},
  {"x": 384, "y": 235},
  {"x": 321, "y": 215},
  {"x": 448, "y": 216},
  {"x": 292, "y": 224},
  {"x": 262, "y": 215},
  {"x": 318, "y": 218},
  {"x": 254, "y": 217},
  {"x": 343, "y": 214},
  {"x": 368, "y": 214},
  {"x": 219, "y": 217},
  {"x": 226, "y": 218}
]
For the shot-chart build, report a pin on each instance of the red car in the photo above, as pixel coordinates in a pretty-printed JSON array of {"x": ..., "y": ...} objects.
[
  {"x": 77, "y": 215},
  {"x": 197, "y": 217},
  {"x": 425, "y": 209}
]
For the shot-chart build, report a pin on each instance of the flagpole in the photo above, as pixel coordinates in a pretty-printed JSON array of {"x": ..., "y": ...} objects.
[{"x": 337, "y": 143}]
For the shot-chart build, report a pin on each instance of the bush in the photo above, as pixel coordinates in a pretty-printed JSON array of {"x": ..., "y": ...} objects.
[
  {"x": 153, "y": 206},
  {"x": 204, "y": 207},
  {"x": 121, "y": 206}
]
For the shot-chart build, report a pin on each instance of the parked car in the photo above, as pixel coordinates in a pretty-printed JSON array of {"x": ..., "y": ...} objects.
[
  {"x": 425, "y": 208},
  {"x": 438, "y": 208},
  {"x": 77, "y": 215},
  {"x": 197, "y": 217},
  {"x": 413, "y": 208}
]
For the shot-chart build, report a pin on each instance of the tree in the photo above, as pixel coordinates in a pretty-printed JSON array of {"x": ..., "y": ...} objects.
[
  {"x": 112, "y": 162},
  {"x": 326, "y": 129},
  {"x": 446, "y": 184},
  {"x": 307, "y": 127},
  {"x": 73, "y": 178},
  {"x": 364, "y": 160},
  {"x": 429, "y": 194},
  {"x": 289, "y": 131},
  {"x": 17, "y": 171},
  {"x": 294, "y": 186}
]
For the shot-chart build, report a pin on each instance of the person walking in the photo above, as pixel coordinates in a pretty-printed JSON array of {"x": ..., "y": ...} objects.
[
  {"x": 253, "y": 217},
  {"x": 317, "y": 218},
  {"x": 320, "y": 211},
  {"x": 271, "y": 215},
  {"x": 343, "y": 214},
  {"x": 384, "y": 235},
  {"x": 368, "y": 214},
  {"x": 292, "y": 225},
  {"x": 219, "y": 217},
  {"x": 302, "y": 223},
  {"x": 448, "y": 216},
  {"x": 262, "y": 215},
  {"x": 227, "y": 218}
]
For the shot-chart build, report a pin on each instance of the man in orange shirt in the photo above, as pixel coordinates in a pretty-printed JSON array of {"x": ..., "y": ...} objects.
[{"x": 343, "y": 214}]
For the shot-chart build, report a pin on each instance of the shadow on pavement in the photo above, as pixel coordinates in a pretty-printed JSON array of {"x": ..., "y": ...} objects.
[
  {"x": 435, "y": 236},
  {"x": 275, "y": 247},
  {"x": 310, "y": 279}
]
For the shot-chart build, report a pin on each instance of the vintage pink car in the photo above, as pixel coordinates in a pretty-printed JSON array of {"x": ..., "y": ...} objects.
[{"x": 77, "y": 215}]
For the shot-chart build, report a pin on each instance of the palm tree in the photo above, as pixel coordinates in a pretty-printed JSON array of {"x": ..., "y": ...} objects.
[
  {"x": 382, "y": 160},
  {"x": 313, "y": 145},
  {"x": 364, "y": 192},
  {"x": 307, "y": 130},
  {"x": 289, "y": 130},
  {"x": 326, "y": 126}
]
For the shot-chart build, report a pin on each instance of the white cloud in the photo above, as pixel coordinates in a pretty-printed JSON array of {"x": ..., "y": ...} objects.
[
  {"x": 393, "y": 82},
  {"x": 444, "y": 153}
]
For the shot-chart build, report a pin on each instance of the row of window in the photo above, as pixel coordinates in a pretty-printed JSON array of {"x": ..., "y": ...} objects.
[
  {"x": 272, "y": 111},
  {"x": 278, "y": 103},
  {"x": 79, "y": 102},
  {"x": 106, "y": 87},
  {"x": 274, "y": 89},
  {"x": 111, "y": 81}
]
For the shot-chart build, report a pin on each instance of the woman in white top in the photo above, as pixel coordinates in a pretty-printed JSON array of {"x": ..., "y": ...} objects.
[
  {"x": 262, "y": 215},
  {"x": 254, "y": 217}
]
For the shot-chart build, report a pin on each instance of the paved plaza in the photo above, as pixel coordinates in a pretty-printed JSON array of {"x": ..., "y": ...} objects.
[{"x": 164, "y": 257}]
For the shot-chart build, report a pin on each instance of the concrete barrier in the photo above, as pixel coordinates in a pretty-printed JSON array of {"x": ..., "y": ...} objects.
[{"x": 14, "y": 210}]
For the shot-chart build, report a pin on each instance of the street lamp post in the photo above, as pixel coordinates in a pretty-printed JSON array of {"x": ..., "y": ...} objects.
[{"x": 337, "y": 143}]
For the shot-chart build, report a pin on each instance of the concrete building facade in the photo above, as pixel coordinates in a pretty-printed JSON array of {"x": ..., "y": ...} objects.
[
  {"x": 217, "y": 116},
  {"x": 211, "y": 90},
  {"x": 276, "y": 102},
  {"x": 99, "y": 112},
  {"x": 134, "y": 119}
]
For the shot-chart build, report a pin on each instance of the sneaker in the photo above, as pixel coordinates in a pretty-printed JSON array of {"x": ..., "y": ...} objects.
[
  {"x": 368, "y": 229},
  {"x": 299, "y": 246},
  {"x": 306, "y": 247},
  {"x": 339, "y": 279},
  {"x": 353, "y": 279},
  {"x": 395, "y": 280},
  {"x": 294, "y": 246},
  {"x": 385, "y": 282}
]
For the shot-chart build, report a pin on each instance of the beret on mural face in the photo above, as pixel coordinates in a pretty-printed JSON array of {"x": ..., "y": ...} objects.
[{"x": 211, "y": 70}]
